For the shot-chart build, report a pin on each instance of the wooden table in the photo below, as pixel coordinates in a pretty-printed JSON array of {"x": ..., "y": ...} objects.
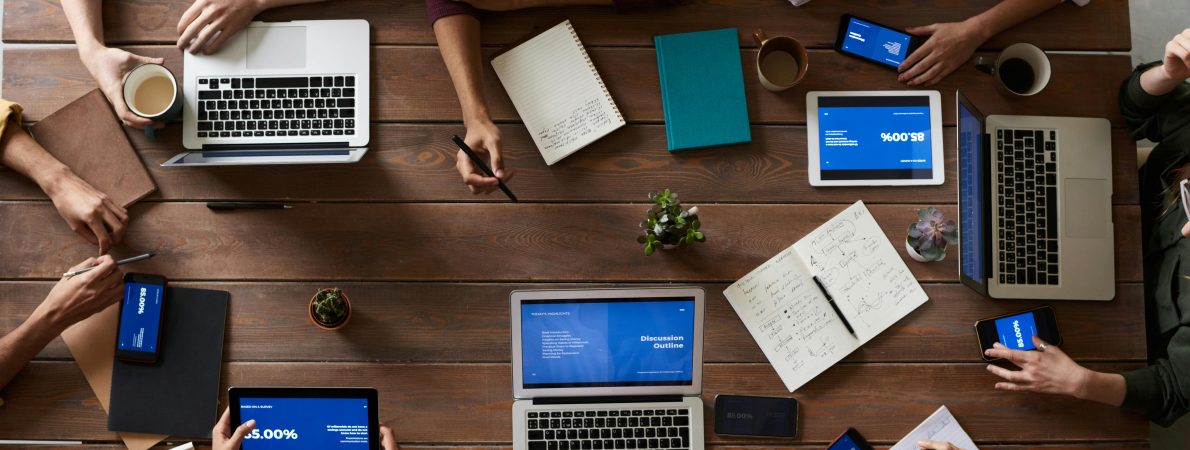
[{"x": 429, "y": 267}]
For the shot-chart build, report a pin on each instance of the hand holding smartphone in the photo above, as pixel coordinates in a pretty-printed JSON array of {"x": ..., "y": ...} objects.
[
  {"x": 142, "y": 314},
  {"x": 873, "y": 42},
  {"x": 1016, "y": 330}
]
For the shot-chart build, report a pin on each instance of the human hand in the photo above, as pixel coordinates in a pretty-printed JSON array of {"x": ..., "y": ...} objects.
[
  {"x": 223, "y": 437},
  {"x": 88, "y": 212},
  {"x": 949, "y": 46},
  {"x": 1186, "y": 229},
  {"x": 77, "y": 298},
  {"x": 483, "y": 138},
  {"x": 1048, "y": 372},
  {"x": 108, "y": 66},
  {"x": 207, "y": 24},
  {"x": 388, "y": 441},
  {"x": 936, "y": 445},
  {"x": 1176, "y": 64}
]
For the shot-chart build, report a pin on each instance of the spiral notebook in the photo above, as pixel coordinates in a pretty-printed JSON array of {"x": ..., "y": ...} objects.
[{"x": 558, "y": 93}]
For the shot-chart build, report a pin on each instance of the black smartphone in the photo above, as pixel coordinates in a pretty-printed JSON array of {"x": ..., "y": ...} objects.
[
  {"x": 743, "y": 415},
  {"x": 849, "y": 440},
  {"x": 873, "y": 42},
  {"x": 142, "y": 314},
  {"x": 1016, "y": 330}
]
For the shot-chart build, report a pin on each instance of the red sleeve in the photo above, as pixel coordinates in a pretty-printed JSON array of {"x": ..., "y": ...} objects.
[{"x": 437, "y": 9}]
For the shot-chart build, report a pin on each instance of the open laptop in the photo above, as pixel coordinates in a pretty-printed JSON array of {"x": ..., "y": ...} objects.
[
  {"x": 607, "y": 369},
  {"x": 1035, "y": 211},
  {"x": 279, "y": 93}
]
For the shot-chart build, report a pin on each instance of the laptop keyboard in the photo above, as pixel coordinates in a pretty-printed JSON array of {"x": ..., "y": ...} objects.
[
  {"x": 240, "y": 107},
  {"x": 609, "y": 429},
  {"x": 1027, "y": 189}
]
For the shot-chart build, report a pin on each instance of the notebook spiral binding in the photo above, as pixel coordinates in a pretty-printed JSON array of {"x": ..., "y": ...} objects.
[{"x": 607, "y": 94}]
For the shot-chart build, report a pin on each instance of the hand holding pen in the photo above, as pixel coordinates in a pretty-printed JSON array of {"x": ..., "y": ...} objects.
[{"x": 479, "y": 177}]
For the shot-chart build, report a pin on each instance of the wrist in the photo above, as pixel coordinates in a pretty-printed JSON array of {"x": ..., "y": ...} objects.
[
  {"x": 476, "y": 116},
  {"x": 45, "y": 323},
  {"x": 53, "y": 179},
  {"x": 88, "y": 49},
  {"x": 978, "y": 29}
]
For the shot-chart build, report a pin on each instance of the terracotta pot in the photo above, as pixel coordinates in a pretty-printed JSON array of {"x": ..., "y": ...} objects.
[{"x": 313, "y": 320}]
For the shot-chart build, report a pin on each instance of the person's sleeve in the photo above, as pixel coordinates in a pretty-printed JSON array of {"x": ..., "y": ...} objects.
[
  {"x": 1080, "y": 2},
  {"x": 1140, "y": 109},
  {"x": 9, "y": 110},
  {"x": 628, "y": 5},
  {"x": 1161, "y": 392},
  {"x": 437, "y": 9}
]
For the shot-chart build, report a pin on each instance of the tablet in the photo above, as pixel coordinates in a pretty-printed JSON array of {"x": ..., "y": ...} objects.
[
  {"x": 874, "y": 138},
  {"x": 307, "y": 418}
]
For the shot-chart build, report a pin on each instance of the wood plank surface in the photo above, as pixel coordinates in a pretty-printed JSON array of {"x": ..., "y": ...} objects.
[
  {"x": 411, "y": 84},
  {"x": 417, "y": 163},
  {"x": 409, "y": 322},
  {"x": 458, "y": 242},
  {"x": 449, "y": 403},
  {"x": 818, "y": 446},
  {"x": 1063, "y": 28}
]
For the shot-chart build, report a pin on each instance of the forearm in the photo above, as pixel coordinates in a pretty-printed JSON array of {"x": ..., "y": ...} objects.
[
  {"x": 19, "y": 152},
  {"x": 269, "y": 4},
  {"x": 1155, "y": 81},
  {"x": 1008, "y": 13},
  {"x": 21, "y": 345},
  {"x": 458, "y": 40},
  {"x": 86, "y": 22},
  {"x": 1106, "y": 388}
]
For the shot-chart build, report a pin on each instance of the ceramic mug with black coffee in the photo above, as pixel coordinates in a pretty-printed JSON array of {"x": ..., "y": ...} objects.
[
  {"x": 151, "y": 91},
  {"x": 1020, "y": 70}
]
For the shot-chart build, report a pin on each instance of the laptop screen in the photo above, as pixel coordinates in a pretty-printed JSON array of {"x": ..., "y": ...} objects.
[
  {"x": 971, "y": 195},
  {"x": 607, "y": 342}
]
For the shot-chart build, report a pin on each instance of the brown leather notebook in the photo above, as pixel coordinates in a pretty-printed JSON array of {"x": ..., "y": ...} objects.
[{"x": 86, "y": 136}]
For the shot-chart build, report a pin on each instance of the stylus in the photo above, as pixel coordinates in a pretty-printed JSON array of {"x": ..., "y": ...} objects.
[
  {"x": 834, "y": 306},
  {"x": 484, "y": 167},
  {"x": 232, "y": 206},
  {"x": 118, "y": 263}
]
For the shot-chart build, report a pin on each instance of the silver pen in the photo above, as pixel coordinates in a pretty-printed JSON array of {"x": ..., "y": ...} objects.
[{"x": 118, "y": 263}]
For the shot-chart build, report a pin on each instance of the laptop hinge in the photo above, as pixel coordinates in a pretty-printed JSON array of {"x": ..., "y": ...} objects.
[
  {"x": 290, "y": 146},
  {"x": 609, "y": 399}
]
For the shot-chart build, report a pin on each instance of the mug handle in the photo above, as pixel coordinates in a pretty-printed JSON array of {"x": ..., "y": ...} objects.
[
  {"x": 985, "y": 64},
  {"x": 760, "y": 37}
]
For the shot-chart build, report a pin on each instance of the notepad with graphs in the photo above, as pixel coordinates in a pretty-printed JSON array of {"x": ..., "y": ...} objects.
[
  {"x": 558, "y": 93},
  {"x": 791, "y": 319}
]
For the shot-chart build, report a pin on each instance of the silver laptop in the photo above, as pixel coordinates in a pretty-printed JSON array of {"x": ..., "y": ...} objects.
[
  {"x": 279, "y": 93},
  {"x": 1035, "y": 214},
  {"x": 607, "y": 369}
]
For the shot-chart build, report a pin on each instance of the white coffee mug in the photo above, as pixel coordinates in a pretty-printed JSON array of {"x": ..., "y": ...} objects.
[{"x": 1020, "y": 70}]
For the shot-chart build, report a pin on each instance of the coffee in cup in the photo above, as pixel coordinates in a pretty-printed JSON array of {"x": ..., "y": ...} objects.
[
  {"x": 151, "y": 91},
  {"x": 781, "y": 62},
  {"x": 1020, "y": 70}
]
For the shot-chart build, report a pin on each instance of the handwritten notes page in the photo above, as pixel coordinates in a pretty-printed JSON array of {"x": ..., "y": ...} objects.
[
  {"x": 940, "y": 426},
  {"x": 792, "y": 321},
  {"x": 557, "y": 92}
]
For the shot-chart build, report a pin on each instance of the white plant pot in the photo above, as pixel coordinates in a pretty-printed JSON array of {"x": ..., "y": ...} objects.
[{"x": 917, "y": 256}]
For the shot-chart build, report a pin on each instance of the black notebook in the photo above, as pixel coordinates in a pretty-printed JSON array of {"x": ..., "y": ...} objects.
[{"x": 179, "y": 395}]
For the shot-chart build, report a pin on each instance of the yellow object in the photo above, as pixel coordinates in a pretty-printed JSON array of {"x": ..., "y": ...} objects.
[{"x": 9, "y": 109}]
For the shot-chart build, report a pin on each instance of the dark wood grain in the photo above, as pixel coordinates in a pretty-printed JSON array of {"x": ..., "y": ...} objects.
[
  {"x": 817, "y": 446},
  {"x": 412, "y": 84},
  {"x": 450, "y": 403},
  {"x": 1064, "y": 28},
  {"x": 457, "y": 242},
  {"x": 408, "y": 322},
  {"x": 417, "y": 163}
]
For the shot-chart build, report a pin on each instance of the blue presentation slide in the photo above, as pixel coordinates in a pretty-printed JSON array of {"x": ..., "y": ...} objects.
[
  {"x": 140, "y": 316},
  {"x": 884, "y": 138},
  {"x": 1016, "y": 332},
  {"x": 971, "y": 195},
  {"x": 600, "y": 343},
  {"x": 306, "y": 423},
  {"x": 844, "y": 443},
  {"x": 876, "y": 43}
]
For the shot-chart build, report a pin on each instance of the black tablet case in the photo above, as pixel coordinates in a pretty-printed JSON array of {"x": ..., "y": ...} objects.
[{"x": 179, "y": 395}]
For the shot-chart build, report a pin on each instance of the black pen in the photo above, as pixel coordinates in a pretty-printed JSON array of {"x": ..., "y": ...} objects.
[
  {"x": 232, "y": 206},
  {"x": 484, "y": 167},
  {"x": 834, "y": 306}
]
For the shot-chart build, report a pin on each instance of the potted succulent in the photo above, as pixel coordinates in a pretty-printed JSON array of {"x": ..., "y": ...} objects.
[
  {"x": 929, "y": 236},
  {"x": 330, "y": 309},
  {"x": 667, "y": 225}
]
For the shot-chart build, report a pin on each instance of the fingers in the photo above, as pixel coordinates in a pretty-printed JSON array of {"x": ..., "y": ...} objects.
[
  {"x": 1012, "y": 387},
  {"x": 223, "y": 426},
  {"x": 219, "y": 40},
  {"x": 147, "y": 59},
  {"x": 925, "y": 30},
  {"x": 114, "y": 224},
  {"x": 238, "y": 436},
  {"x": 1186, "y": 229},
  {"x": 85, "y": 264},
  {"x": 1006, "y": 374},
  {"x": 188, "y": 36},
  {"x": 388, "y": 440},
  {"x": 204, "y": 36},
  {"x": 481, "y": 184},
  {"x": 929, "y": 77},
  {"x": 82, "y": 229},
  {"x": 126, "y": 115},
  {"x": 1001, "y": 352},
  {"x": 935, "y": 445},
  {"x": 927, "y": 62},
  {"x": 915, "y": 57},
  {"x": 100, "y": 230},
  {"x": 117, "y": 210},
  {"x": 187, "y": 18}
]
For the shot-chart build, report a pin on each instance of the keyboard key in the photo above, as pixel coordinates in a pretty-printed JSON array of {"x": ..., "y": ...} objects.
[
  {"x": 339, "y": 81},
  {"x": 336, "y": 92},
  {"x": 226, "y": 95},
  {"x": 350, "y": 81},
  {"x": 315, "y": 82},
  {"x": 202, "y": 134},
  {"x": 208, "y": 95},
  {"x": 345, "y": 102},
  {"x": 204, "y": 126},
  {"x": 285, "y": 82},
  {"x": 349, "y": 92},
  {"x": 328, "y": 81},
  {"x": 345, "y": 113},
  {"x": 214, "y": 83}
]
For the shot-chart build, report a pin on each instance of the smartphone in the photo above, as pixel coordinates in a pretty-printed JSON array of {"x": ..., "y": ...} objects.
[
  {"x": 742, "y": 415},
  {"x": 849, "y": 440},
  {"x": 1016, "y": 330},
  {"x": 142, "y": 314},
  {"x": 873, "y": 42}
]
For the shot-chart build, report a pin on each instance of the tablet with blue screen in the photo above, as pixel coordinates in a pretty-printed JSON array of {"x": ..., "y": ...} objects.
[
  {"x": 874, "y": 138},
  {"x": 307, "y": 418}
]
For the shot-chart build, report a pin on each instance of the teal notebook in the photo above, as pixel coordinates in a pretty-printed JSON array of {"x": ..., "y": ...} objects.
[{"x": 702, "y": 89}]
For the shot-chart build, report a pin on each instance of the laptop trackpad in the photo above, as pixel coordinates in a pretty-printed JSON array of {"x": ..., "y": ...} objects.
[
  {"x": 276, "y": 48},
  {"x": 1086, "y": 213}
]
